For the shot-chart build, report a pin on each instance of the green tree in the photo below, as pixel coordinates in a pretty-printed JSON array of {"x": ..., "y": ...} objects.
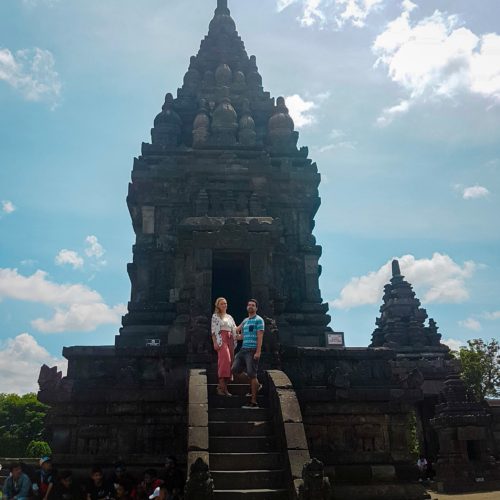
[
  {"x": 21, "y": 421},
  {"x": 37, "y": 449},
  {"x": 481, "y": 368}
]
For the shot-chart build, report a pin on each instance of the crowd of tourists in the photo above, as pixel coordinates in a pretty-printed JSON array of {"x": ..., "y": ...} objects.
[{"x": 47, "y": 483}]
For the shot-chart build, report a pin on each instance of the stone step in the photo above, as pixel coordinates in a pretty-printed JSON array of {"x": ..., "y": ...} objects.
[
  {"x": 264, "y": 494},
  {"x": 256, "y": 444},
  {"x": 249, "y": 428},
  {"x": 235, "y": 389},
  {"x": 246, "y": 461},
  {"x": 216, "y": 401},
  {"x": 237, "y": 414},
  {"x": 245, "y": 479}
]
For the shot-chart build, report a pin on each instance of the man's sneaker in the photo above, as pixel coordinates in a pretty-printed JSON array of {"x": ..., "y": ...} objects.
[
  {"x": 250, "y": 406},
  {"x": 249, "y": 394}
]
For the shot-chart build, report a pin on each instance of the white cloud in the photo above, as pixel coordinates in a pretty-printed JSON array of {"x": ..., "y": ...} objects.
[
  {"x": 435, "y": 58},
  {"x": 389, "y": 114},
  {"x": 340, "y": 142},
  {"x": 300, "y": 110},
  {"x": 8, "y": 207},
  {"x": 473, "y": 192},
  {"x": 69, "y": 257},
  {"x": 356, "y": 11},
  {"x": 470, "y": 324},
  {"x": 81, "y": 318},
  {"x": 492, "y": 315},
  {"x": 283, "y": 4},
  {"x": 453, "y": 344},
  {"x": 339, "y": 12},
  {"x": 76, "y": 307},
  {"x": 436, "y": 280},
  {"x": 94, "y": 248},
  {"x": 32, "y": 73},
  {"x": 20, "y": 361}
]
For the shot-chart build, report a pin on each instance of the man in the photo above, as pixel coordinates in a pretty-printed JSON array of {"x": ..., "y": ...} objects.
[
  {"x": 251, "y": 331},
  {"x": 97, "y": 488},
  {"x": 422, "y": 466},
  {"x": 44, "y": 479},
  {"x": 173, "y": 478},
  {"x": 18, "y": 485},
  {"x": 65, "y": 488}
]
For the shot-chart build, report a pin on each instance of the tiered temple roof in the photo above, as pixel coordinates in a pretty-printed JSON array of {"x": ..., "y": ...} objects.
[{"x": 222, "y": 102}]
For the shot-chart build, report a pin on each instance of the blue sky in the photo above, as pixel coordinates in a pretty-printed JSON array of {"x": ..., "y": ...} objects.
[{"x": 398, "y": 101}]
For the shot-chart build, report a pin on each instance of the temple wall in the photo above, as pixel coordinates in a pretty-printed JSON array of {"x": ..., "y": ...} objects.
[{"x": 115, "y": 404}]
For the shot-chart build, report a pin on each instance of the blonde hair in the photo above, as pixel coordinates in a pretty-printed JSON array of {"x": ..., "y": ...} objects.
[{"x": 217, "y": 310}]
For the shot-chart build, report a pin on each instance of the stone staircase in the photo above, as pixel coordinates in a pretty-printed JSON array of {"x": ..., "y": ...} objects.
[{"x": 246, "y": 460}]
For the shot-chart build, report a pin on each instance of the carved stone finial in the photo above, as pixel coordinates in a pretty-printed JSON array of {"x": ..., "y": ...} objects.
[
  {"x": 201, "y": 126},
  {"x": 224, "y": 123},
  {"x": 223, "y": 75},
  {"x": 247, "y": 133},
  {"x": 281, "y": 128},
  {"x": 200, "y": 485},
  {"x": 396, "y": 270},
  {"x": 167, "y": 125},
  {"x": 222, "y": 7}
]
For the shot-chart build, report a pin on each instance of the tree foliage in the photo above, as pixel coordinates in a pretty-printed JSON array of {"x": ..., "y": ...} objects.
[
  {"x": 37, "y": 449},
  {"x": 21, "y": 421},
  {"x": 481, "y": 368}
]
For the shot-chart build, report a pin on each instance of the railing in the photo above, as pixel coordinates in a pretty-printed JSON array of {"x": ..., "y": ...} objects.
[
  {"x": 197, "y": 418},
  {"x": 287, "y": 418}
]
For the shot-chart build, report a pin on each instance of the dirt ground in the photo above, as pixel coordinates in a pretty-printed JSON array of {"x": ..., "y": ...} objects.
[{"x": 492, "y": 495}]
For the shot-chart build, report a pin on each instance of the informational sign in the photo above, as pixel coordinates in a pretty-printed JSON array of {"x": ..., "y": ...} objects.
[
  {"x": 335, "y": 339},
  {"x": 153, "y": 342}
]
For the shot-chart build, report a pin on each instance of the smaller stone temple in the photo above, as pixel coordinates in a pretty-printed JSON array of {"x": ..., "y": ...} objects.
[
  {"x": 401, "y": 325},
  {"x": 466, "y": 458}
]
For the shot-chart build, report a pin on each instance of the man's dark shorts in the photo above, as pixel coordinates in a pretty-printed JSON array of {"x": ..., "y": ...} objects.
[{"x": 245, "y": 362}]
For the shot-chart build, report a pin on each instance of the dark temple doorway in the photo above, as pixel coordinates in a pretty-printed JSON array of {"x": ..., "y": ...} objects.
[{"x": 231, "y": 279}]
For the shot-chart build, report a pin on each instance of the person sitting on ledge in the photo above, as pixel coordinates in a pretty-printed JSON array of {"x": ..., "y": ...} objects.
[
  {"x": 18, "y": 485},
  {"x": 44, "y": 479},
  {"x": 65, "y": 488},
  {"x": 149, "y": 484},
  {"x": 251, "y": 331},
  {"x": 173, "y": 478},
  {"x": 97, "y": 488}
]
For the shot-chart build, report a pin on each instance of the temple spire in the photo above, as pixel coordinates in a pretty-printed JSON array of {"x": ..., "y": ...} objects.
[{"x": 222, "y": 7}]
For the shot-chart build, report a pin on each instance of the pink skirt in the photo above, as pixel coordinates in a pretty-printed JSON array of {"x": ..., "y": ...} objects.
[{"x": 225, "y": 355}]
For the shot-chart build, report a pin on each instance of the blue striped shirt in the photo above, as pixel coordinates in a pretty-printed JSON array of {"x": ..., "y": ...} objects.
[{"x": 250, "y": 328}]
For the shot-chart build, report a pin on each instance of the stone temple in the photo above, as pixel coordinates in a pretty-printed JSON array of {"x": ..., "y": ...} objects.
[{"x": 222, "y": 203}]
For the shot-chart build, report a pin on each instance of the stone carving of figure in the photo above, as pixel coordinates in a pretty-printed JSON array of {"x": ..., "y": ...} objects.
[
  {"x": 200, "y": 485},
  {"x": 316, "y": 485}
]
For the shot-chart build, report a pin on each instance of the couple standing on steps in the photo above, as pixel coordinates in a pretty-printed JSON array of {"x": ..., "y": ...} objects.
[{"x": 225, "y": 335}]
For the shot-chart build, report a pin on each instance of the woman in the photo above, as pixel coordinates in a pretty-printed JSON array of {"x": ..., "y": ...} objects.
[{"x": 223, "y": 332}]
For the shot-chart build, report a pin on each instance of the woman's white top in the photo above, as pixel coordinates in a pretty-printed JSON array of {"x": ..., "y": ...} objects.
[{"x": 225, "y": 324}]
